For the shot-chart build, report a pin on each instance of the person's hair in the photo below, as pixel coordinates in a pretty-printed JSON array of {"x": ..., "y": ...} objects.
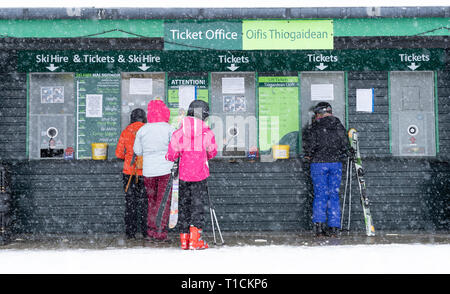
[
  {"x": 198, "y": 109},
  {"x": 138, "y": 114},
  {"x": 323, "y": 107}
]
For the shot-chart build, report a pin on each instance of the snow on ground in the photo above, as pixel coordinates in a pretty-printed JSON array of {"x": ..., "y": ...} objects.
[{"x": 270, "y": 259}]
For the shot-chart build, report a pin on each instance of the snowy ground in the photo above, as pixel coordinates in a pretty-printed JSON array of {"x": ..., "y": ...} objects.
[{"x": 270, "y": 259}]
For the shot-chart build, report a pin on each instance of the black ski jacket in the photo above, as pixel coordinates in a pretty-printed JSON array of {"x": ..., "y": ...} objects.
[{"x": 325, "y": 140}]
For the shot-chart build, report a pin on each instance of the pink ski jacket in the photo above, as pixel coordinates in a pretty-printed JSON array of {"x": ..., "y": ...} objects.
[{"x": 194, "y": 143}]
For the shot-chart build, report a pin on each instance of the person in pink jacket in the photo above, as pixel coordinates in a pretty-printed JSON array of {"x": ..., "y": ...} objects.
[{"x": 194, "y": 144}]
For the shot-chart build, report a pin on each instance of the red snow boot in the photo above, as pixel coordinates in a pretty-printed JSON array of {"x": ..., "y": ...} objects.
[
  {"x": 184, "y": 238},
  {"x": 195, "y": 239}
]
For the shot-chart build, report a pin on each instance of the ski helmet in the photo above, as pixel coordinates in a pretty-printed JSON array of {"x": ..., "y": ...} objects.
[
  {"x": 198, "y": 109},
  {"x": 323, "y": 107},
  {"x": 138, "y": 114}
]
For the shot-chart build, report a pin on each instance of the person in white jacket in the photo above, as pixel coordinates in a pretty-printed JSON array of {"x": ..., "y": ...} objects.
[{"x": 152, "y": 141}]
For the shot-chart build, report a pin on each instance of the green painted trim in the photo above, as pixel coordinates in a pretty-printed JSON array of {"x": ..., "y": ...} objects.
[
  {"x": 27, "y": 148},
  {"x": 346, "y": 99},
  {"x": 166, "y": 85},
  {"x": 134, "y": 28},
  {"x": 389, "y": 112},
  {"x": 202, "y": 21},
  {"x": 257, "y": 108},
  {"x": 436, "y": 111},
  {"x": 371, "y": 27},
  {"x": 300, "y": 129},
  {"x": 75, "y": 133},
  {"x": 209, "y": 95},
  {"x": 72, "y": 28}
]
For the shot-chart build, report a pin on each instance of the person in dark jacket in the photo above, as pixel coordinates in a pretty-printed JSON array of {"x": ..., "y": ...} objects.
[
  {"x": 326, "y": 144},
  {"x": 135, "y": 196}
]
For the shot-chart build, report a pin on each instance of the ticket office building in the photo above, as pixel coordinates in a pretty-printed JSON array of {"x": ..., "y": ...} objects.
[{"x": 60, "y": 93}]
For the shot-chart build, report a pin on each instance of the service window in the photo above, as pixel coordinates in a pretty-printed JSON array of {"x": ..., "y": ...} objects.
[
  {"x": 412, "y": 113},
  {"x": 51, "y": 124},
  {"x": 322, "y": 86},
  {"x": 233, "y": 110},
  {"x": 138, "y": 89}
]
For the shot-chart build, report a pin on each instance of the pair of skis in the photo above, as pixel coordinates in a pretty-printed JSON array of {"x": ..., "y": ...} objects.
[
  {"x": 174, "y": 183},
  {"x": 355, "y": 161}
]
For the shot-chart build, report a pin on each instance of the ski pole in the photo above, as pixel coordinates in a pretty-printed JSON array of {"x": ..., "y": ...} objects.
[
  {"x": 350, "y": 195},
  {"x": 345, "y": 192},
  {"x": 214, "y": 218}
]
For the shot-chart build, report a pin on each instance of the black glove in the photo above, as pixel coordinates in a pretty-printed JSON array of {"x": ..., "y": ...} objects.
[{"x": 351, "y": 152}]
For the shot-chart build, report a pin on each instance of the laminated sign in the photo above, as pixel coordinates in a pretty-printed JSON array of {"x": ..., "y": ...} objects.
[
  {"x": 287, "y": 34},
  {"x": 249, "y": 35}
]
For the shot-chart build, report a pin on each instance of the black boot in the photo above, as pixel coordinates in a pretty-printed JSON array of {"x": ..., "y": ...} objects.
[
  {"x": 332, "y": 232},
  {"x": 319, "y": 229}
]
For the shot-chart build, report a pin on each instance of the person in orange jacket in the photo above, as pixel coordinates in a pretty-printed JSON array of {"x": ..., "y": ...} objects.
[{"x": 135, "y": 195}]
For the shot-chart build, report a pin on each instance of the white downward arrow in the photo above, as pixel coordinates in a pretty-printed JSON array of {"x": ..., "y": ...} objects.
[
  {"x": 233, "y": 67},
  {"x": 52, "y": 67},
  {"x": 144, "y": 67},
  {"x": 321, "y": 66},
  {"x": 413, "y": 66}
]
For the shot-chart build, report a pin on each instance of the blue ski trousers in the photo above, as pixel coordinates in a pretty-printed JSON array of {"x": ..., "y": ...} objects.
[{"x": 326, "y": 178}]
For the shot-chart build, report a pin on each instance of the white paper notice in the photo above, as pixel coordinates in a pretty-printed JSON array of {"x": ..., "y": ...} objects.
[
  {"x": 141, "y": 86},
  {"x": 364, "y": 100},
  {"x": 94, "y": 105},
  {"x": 322, "y": 92},
  {"x": 186, "y": 94},
  {"x": 233, "y": 86}
]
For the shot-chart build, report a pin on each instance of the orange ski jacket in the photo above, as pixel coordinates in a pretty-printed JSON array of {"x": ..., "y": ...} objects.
[{"x": 124, "y": 149}]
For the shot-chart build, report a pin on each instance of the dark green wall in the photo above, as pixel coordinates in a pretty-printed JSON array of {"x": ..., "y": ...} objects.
[
  {"x": 13, "y": 114},
  {"x": 57, "y": 196}
]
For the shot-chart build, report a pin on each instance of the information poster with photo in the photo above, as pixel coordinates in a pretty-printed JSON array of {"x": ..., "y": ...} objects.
[
  {"x": 278, "y": 109},
  {"x": 234, "y": 103},
  {"x": 98, "y": 112},
  {"x": 52, "y": 94},
  {"x": 182, "y": 91}
]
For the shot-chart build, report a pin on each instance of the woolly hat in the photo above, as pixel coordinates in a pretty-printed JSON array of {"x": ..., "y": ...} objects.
[{"x": 157, "y": 111}]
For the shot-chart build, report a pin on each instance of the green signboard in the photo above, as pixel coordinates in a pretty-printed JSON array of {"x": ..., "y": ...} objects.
[
  {"x": 248, "y": 35},
  {"x": 98, "y": 112},
  {"x": 287, "y": 34},
  {"x": 192, "y": 35},
  {"x": 158, "y": 28},
  {"x": 278, "y": 111},
  {"x": 182, "y": 90},
  {"x": 230, "y": 61}
]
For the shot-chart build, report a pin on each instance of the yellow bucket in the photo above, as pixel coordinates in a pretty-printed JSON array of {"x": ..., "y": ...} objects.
[
  {"x": 280, "y": 151},
  {"x": 99, "y": 151}
]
